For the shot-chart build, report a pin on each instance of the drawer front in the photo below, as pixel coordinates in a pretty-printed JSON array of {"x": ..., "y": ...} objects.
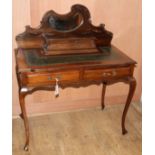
[
  {"x": 106, "y": 73},
  {"x": 49, "y": 78}
]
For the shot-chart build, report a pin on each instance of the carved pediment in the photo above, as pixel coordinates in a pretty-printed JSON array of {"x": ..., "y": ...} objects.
[{"x": 74, "y": 26}]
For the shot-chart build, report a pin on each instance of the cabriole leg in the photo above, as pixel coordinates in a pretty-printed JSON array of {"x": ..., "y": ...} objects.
[
  {"x": 132, "y": 85},
  {"x": 24, "y": 117}
]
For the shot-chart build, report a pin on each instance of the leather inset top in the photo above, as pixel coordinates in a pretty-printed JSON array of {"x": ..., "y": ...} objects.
[{"x": 33, "y": 58}]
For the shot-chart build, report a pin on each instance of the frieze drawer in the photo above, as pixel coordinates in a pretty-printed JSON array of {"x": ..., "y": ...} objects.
[
  {"x": 49, "y": 78},
  {"x": 106, "y": 73}
]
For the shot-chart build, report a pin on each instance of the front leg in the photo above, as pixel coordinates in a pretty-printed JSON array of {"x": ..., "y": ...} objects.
[
  {"x": 103, "y": 95},
  {"x": 132, "y": 85},
  {"x": 22, "y": 95}
]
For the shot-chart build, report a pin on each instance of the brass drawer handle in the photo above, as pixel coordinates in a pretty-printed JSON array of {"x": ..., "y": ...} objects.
[{"x": 113, "y": 73}]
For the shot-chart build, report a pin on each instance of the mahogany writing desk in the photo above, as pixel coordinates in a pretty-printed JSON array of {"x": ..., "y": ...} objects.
[{"x": 68, "y": 51}]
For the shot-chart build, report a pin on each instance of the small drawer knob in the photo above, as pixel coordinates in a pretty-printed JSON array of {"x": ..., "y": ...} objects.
[
  {"x": 106, "y": 74},
  {"x": 112, "y": 73}
]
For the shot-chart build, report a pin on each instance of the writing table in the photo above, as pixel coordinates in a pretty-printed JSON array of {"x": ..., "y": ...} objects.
[{"x": 68, "y": 51}]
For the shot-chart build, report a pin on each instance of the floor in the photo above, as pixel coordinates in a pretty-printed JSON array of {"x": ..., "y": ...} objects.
[{"x": 88, "y": 132}]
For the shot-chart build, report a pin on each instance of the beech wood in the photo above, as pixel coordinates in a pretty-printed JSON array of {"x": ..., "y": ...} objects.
[{"x": 54, "y": 42}]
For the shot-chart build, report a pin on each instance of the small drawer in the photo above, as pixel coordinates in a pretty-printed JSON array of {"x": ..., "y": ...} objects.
[
  {"x": 49, "y": 78},
  {"x": 106, "y": 73}
]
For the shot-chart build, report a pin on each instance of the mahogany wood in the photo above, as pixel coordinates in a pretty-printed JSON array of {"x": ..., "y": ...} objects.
[{"x": 69, "y": 37}]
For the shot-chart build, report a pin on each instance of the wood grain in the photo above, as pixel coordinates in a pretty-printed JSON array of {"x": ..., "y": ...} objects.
[
  {"x": 106, "y": 73},
  {"x": 49, "y": 78}
]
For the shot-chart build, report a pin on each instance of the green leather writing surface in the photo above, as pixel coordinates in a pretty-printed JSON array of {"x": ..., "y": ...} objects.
[{"x": 33, "y": 58}]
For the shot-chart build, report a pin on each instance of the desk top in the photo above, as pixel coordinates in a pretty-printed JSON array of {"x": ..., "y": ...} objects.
[{"x": 110, "y": 56}]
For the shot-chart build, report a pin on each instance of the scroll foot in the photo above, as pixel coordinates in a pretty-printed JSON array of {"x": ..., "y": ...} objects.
[
  {"x": 124, "y": 131},
  {"x": 26, "y": 147}
]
